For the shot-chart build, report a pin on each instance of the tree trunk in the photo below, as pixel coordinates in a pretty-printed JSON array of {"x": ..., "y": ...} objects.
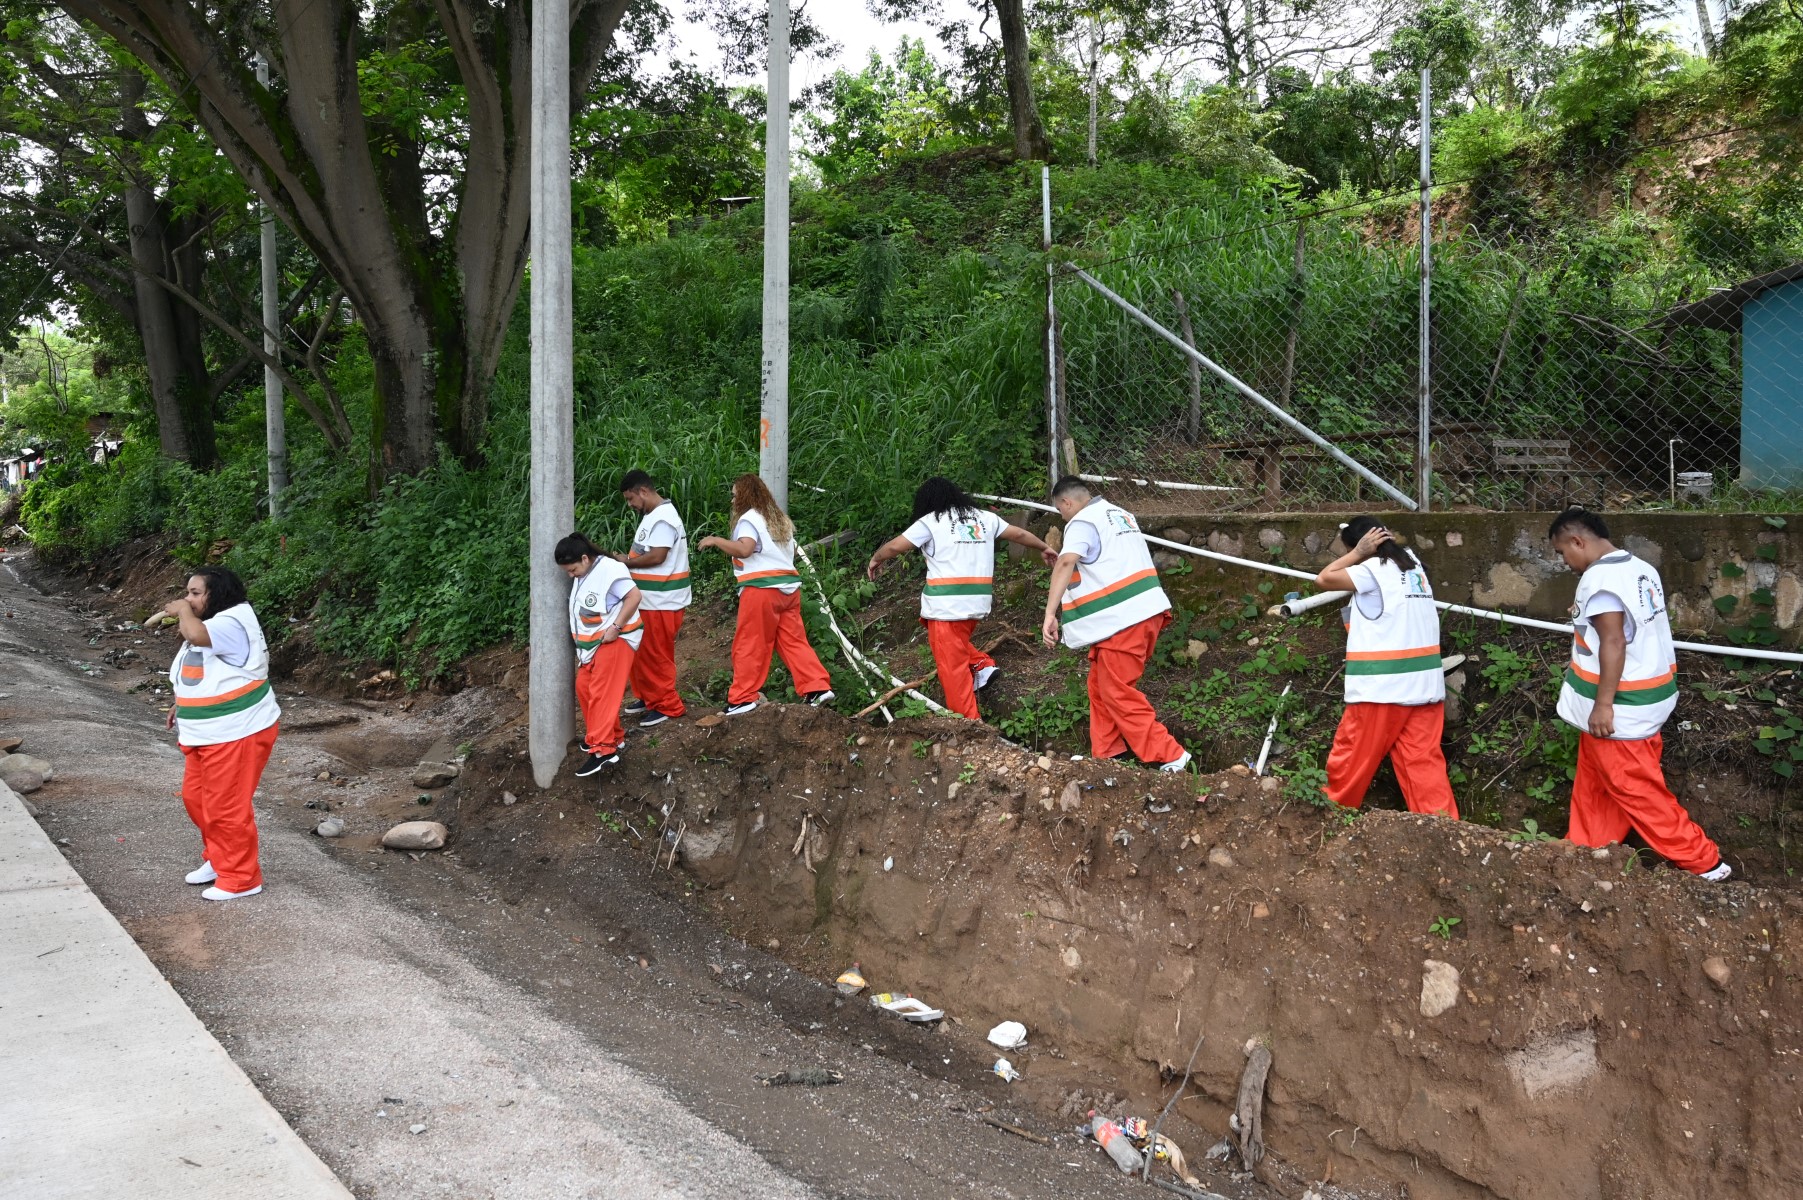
[
  {"x": 434, "y": 307},
  {"x": 173, "y": 357},
  {"x": 1706, "y": 28},
  {"x": 1030, "y": 140}
]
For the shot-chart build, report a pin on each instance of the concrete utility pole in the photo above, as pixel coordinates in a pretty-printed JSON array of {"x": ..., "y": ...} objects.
[
  {"x": 552, "y": 489},
  {"x": 1424, "y": 463},
  {"x": 773, "y": 443},
  {"x": 275, "y": 415}
]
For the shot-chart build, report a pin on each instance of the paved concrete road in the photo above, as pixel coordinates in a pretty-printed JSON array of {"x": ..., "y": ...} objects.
[
  {"x": 358, "y": 1019},
  {"x": 113, "y": 1088}
]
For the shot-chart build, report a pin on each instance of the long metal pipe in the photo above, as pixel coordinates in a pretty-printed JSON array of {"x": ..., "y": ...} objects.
[
  {"x": 1161, "y": 483},
  {"x": 1246, "y": 390},
  {"x": 1786, "y": 656}
]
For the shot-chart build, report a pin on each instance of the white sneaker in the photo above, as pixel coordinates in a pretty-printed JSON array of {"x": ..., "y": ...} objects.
[
  {"x": 816, "y": 699},
  {"x": 214, "y": 893},
  {"x": 984, "y": 676},
  {"x": 1176, "y": 764},
  {"x": 204, "y": 873},
  {"x": 734, "y": 710},
  {"x": 1717, "y": 873}
]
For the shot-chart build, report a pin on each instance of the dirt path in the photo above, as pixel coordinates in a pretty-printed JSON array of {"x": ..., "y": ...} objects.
[{"x": 611, "y": 1050}]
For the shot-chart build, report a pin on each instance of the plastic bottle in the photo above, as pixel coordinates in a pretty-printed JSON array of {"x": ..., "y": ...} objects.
[{"x": 1114, "y": 1140}]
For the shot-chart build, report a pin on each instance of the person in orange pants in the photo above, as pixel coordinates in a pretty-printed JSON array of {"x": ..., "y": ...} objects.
[
  {"x": 218, "y": 783},
  {"x": 763, "y": 561},
  {"x": 1105, "y": 597},
  {"x": 226, "y": 719},
  {"x": 1620, "y": 688},
  {"x": 659, "y": 562},
  {"x": 605, "y": 627},
  {"x": 1120, "y": 716},
  {"x": 958, "y": 540},
  {"x": 1395, "y": 690}
]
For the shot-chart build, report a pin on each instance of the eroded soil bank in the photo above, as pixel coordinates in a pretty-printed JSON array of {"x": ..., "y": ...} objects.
[{"x": 1588, "y": 1050}]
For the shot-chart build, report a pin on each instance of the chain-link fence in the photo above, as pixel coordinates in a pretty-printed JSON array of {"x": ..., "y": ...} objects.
[{"x": 1635, "y": 330}]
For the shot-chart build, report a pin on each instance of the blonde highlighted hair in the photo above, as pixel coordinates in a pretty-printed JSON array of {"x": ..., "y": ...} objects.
[{"x": 749, "y": 492}]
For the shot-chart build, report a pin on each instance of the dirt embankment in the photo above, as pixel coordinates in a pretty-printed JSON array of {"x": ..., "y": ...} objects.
[{"x": 1613, "y": 1031}]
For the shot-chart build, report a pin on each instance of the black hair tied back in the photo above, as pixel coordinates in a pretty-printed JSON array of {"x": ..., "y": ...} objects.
[{"x": 1388, "y": 550}]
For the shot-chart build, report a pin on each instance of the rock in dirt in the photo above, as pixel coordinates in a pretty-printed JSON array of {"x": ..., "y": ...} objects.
[
  {"x": 416, "y": 835},
  {"x": 1718, "y": 971},
  {"x": 31, "y": 810},
  {"x": 22, "y": 780},
  {"x": 509, "y": 799},
  {"x": 1219, "y": 856},
  {"x": 1554, "y": 1063},
  {"x": 331, "y": 827},
  {"x": 1439, "y": 987},
  {"x": 1071, "y": 798},
  {"x": 27, "y": 762},
  {"x": 10, "y": 745},
  {"x": 1261, "y": 911},
  {"x": 434, "y": 775}
]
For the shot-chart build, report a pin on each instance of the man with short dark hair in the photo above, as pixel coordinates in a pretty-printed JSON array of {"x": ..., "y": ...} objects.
[
  {"x": 1116, "y": 608},
  {"x": 1619, "y": 690},
  {"x": 659, "y": 563}
]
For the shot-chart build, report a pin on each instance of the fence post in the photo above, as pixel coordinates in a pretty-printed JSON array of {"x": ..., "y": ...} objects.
[
  {"x": 1051, "y": 327},
  {"x": 1424, "y": 465},
  {"x": 1194, "y": 424}
]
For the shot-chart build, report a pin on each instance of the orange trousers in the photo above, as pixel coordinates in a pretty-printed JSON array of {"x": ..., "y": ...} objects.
[
  {"x": 1410, "y": 735},
  {"x": 217, "y": 785},
  {"x": 958, "y": 662},
  {"x": 600, "y": 686},
  {"x": 1620, "y": 786},
  {"x": 654, "y": 664},
  {"x": 770, "y": 620},
  {"x": 1120, "y": 716}
]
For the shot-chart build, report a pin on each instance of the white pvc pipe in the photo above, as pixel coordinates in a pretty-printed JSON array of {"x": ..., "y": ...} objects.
[
  {"x": 1264, "y": 755},
  {"x": 1292, "y": 608},
  {"x": 859, "y": 662},
  {"x": 1785, "y": 656},
  {"x": 1163, "y": 483}
]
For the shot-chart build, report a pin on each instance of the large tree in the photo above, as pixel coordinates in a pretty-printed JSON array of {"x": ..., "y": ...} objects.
[{"x": 414, "y": 198}]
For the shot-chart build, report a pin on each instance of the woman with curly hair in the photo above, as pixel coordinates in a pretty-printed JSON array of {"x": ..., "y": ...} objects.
[{"x": 762, "y": 547}]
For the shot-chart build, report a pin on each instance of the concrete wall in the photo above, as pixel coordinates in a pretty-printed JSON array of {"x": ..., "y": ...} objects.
[{"x": 1503, "y": 560}]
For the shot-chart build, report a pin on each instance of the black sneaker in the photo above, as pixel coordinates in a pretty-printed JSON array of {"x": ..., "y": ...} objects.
[
  {"x": 634, "y": 707},
  {"x": 597, "y": 763},
  {"x": 984, "y": 676},
  {"x": 653, "y": 718},
  {"x": 816, "y": 699}
]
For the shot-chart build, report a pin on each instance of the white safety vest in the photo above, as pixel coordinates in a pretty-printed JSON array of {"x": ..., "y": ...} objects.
[
  {"x": 1118, "y": 590},
  {"x": 665, "y": 587},
  {"x": 772, "y": 565},
  {"x": 1649, "y": 675},
  {"x": 1394, "y": 657},
  {"x": 590, "y": 614},
  {"x": 960, "y": 567},
  {"x": 216, "y": 702}
]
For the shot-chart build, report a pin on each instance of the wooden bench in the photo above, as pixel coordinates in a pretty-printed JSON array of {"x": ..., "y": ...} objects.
[{"x": 1547, "y": 460}]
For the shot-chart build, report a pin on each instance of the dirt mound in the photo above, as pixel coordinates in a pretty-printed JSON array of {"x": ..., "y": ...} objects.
[{"x": 1601, "y": 1029}]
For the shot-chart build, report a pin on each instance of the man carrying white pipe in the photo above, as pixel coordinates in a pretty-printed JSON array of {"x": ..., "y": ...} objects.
[
  {"x": 1395, "y": 691},
  {"x": 1116, "y": 608},
  {"x": 1619, "y": 690}
]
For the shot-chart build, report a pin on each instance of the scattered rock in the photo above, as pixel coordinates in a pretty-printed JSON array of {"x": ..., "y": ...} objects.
[
  {"x": 1439, "y": 987},
  {"x": 1271, "y": 784},
  {"x": 1071, "y": 959},
  {"x": 1178, "y": 534},
  {"x": 331, "y": 827},
  {"x": 1195, "y": 650},
  {"x": 1166, "y": 559},
  {"x": 1261, "y": 911},
  {"x": 416, "y": 835},
  {"x": 1718, "y": 971},
  {"x": 1043, "y": 762},
  {"x": 952, "y": 789},
  {"x": 1270, "y": 539},
  {"x": 434, "y": 774},
  {"x": 509, "y": 799},
  {"x": 1219, "y": 857},
  {"x": 10, "y": 745},
  {"x": 27, "y": 762},
  {"x": 21, "y": 779},
  {"x": 1240, "y": 769},
  {"x": 323, "y": 776},
  {"x": 1071, "y": 798},
  {"x": 416, "y": 1129}
]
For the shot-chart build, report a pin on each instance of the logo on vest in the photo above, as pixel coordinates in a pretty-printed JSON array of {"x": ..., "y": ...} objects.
[
  {"x": 1650, "y": 600},
  {"x": 1122, "y": 522},
  {"x": 967, "y": 531},
  {"x": 590, "y": 600}
]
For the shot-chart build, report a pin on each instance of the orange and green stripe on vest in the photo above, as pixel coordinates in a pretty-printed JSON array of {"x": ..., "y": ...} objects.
[
  {"x": 661, "y": 583},
  {"x": 1629, "y": 691},
  {"x": 1392, "y": 662},
  {"x": 200, "y": 708},
  {"x": 1134, "y": 585},
  {"x": 961, "y": 585},
  {"x": 778, "y": 578}
]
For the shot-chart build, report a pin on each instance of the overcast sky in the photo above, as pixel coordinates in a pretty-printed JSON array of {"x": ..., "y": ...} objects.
[{"x": 847, "y": 22}]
